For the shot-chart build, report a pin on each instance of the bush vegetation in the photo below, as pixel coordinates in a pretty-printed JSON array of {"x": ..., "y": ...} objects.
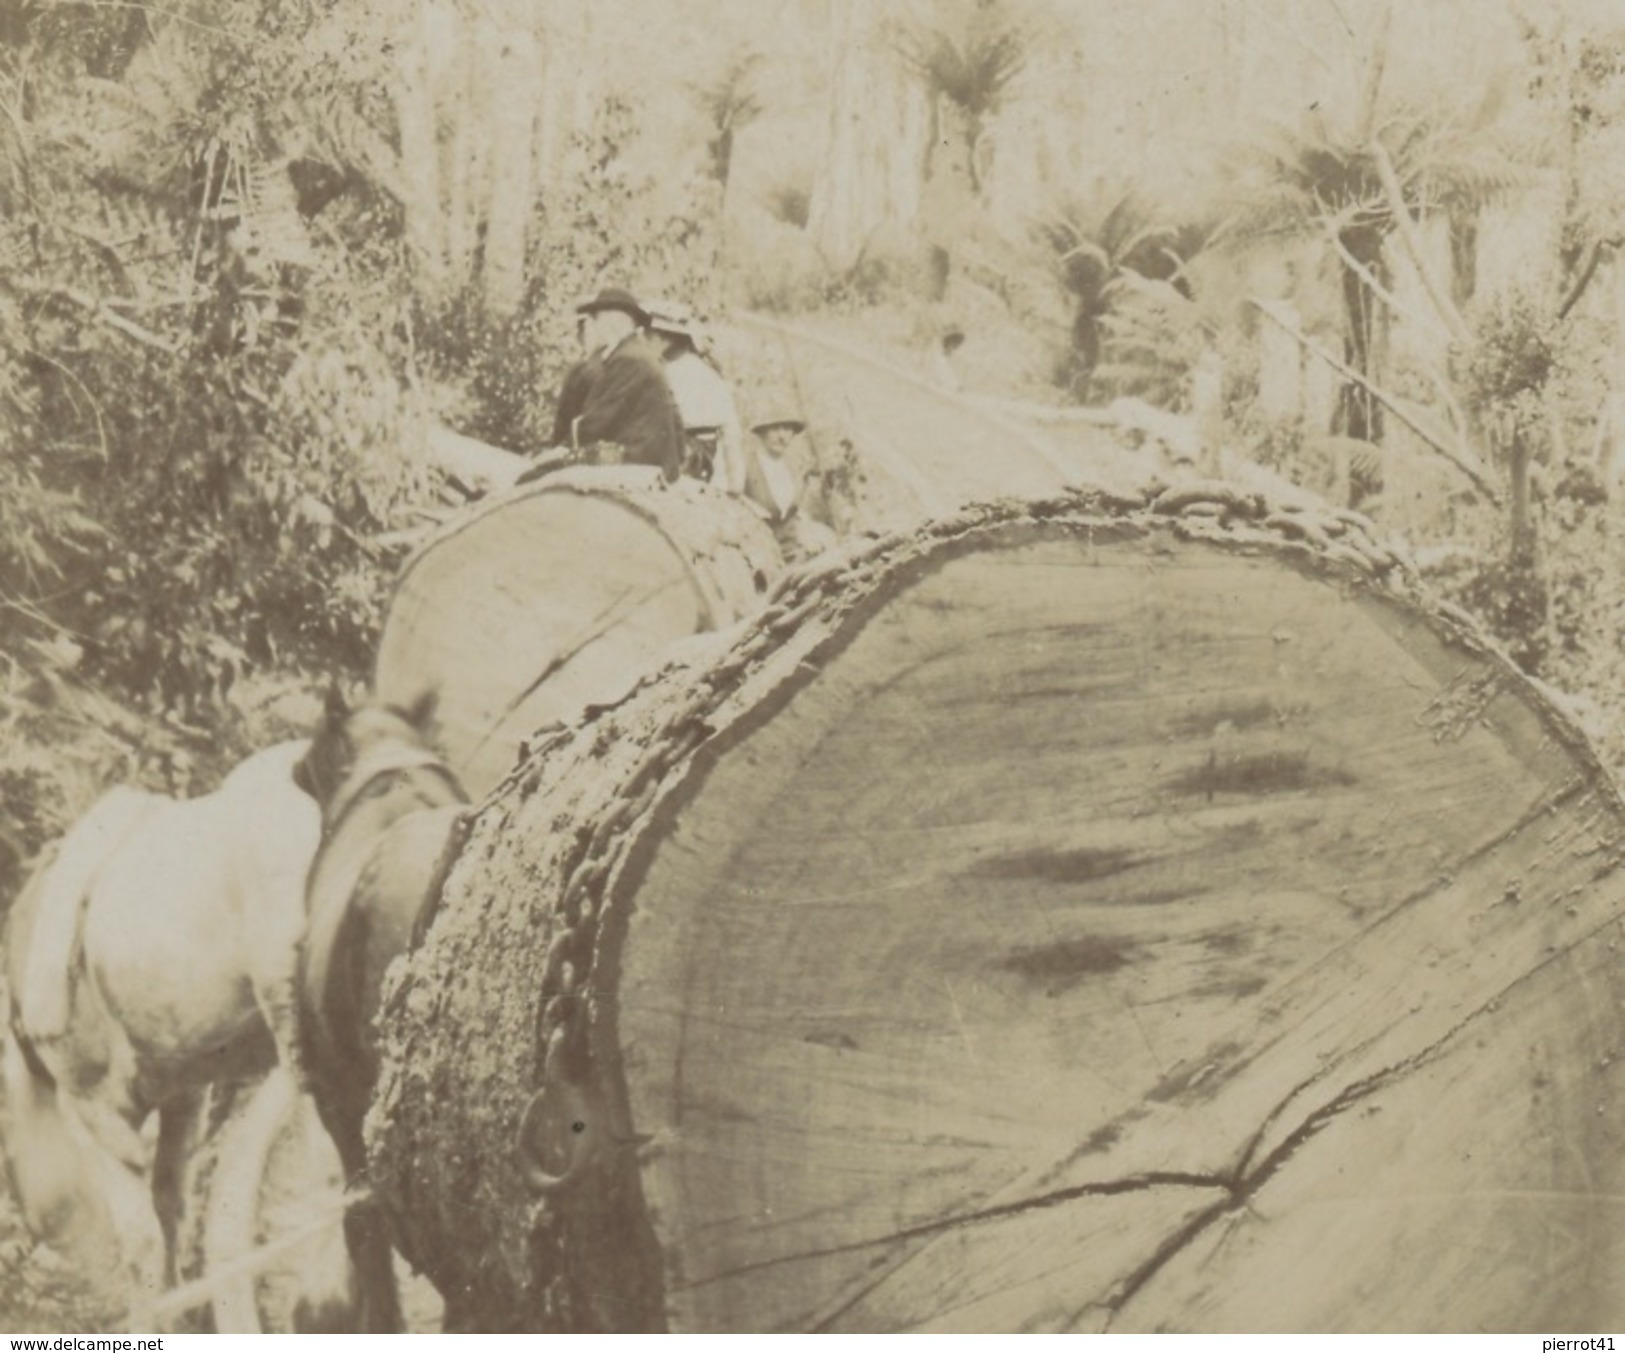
[{"x": 227, "y": 312}]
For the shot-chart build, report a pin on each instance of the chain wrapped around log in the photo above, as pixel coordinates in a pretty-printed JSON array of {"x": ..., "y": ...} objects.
[{"x": 1095, "y": 913}]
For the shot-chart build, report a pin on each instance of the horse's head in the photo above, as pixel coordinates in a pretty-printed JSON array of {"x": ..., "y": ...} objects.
[{"x": 353, "y": 745}]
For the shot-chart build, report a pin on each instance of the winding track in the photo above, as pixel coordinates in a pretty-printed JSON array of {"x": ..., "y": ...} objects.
[{"x": 936, "y": 449}]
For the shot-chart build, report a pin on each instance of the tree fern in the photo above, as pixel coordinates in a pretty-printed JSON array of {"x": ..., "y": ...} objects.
[{"x": 1101, "y": 243}]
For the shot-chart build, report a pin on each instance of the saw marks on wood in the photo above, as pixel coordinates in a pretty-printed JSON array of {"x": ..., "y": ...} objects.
[
  {"x": 1059, "y": 918},
  {"x": 1483, "y": 1191},
  {"x": 1055, "y": 883}
]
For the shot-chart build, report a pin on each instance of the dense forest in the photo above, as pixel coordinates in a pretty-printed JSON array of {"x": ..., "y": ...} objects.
[{"x": 249, "y": 253}]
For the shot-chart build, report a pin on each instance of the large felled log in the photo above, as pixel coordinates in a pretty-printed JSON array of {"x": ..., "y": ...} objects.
[
  {"x": 1092, "y": 914},
  {"x": 560, "y": 593}
]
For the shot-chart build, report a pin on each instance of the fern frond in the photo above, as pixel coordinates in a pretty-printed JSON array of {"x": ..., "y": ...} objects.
[
  {"x": 1272, "y": 209},
  {"x": 1477, "y": 177},
  {"x": 270, "y": 232}
]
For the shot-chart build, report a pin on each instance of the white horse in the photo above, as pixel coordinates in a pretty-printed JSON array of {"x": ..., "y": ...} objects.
[{"x": 152, "y": 954}]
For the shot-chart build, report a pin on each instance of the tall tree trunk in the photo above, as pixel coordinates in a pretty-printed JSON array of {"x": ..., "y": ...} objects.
[
  {"x": 1360, "y": 415},
  {"x": 1523, "y": 539},
  {"x": 513, "y": 66},
  {"x": 1376, "y": 67},
  {"x": 468, "y": 102},
  {"x": 1013, "y": 185},
  {"x": 1520, "y": 597},
  {"x": 417, "y": 115},
  {"x": 465, "y": 158},
  {"x": 1463, "y": 227},
  {"x": 949, "y": 203},
  {"x": 566, "y": 88},
  {"x": 467, "y": 99},
  {"x": 870, "y": 174}
]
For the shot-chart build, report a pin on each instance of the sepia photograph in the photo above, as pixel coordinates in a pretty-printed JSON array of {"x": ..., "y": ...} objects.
[{"x": 812, "y": 666}]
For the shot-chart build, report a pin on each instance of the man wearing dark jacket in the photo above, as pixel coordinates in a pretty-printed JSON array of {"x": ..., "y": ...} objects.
[
  {"x": 578, "y": 380},
  {"x": 629, "y": 402}
]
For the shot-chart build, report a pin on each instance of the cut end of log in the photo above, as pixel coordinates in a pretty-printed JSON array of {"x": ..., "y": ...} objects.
[{"x": 1036, "y": 924}]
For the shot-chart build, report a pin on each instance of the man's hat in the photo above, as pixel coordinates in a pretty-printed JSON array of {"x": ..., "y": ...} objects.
[
  {"x": 671, "y": 317},
  {"x": 794, "y": 424},
  {"x": 615, "y": 298}
]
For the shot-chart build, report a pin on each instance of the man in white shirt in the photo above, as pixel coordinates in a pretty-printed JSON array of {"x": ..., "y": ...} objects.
[
  {"x": 715, "y": 445},
  {"x": 777, "y": 487},
  {"x": 774, "y": 486}
]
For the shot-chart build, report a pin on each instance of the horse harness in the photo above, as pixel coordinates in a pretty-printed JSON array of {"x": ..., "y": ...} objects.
[
  {"x": 372, "y": 776},
  {"x": 339, "y": 866}
]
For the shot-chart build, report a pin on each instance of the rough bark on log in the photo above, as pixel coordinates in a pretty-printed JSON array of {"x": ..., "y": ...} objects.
[
  {"x": 1076, "y": 915},
  {"x": 560, "y": 593}
]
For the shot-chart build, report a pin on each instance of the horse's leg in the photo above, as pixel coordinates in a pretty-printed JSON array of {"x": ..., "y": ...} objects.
[
  {"x": 367, "y": 1237},
  {"x": 177, "y": 1117},
  {"x": 331, "y": 979},
  {"x": 277, "y": 996},
  {"x": 273, "y": 927}
]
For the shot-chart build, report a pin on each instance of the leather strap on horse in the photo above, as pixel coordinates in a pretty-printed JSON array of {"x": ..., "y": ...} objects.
[
  {"x": 372, "y": 765},
  {"x": 339, "y": 863}
]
